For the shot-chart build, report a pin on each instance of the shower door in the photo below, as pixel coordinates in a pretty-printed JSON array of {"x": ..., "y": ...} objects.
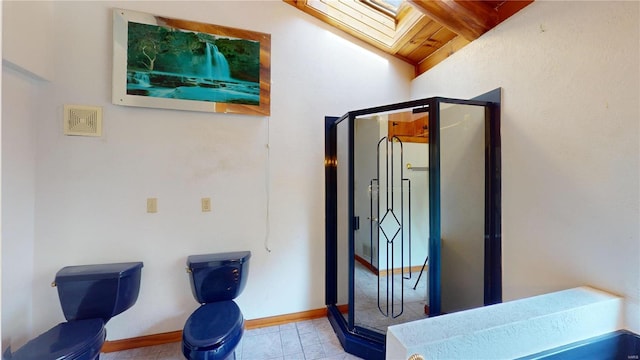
[
  {"x": 392, "y": 229},
  {"x": 412, "y": 212}
]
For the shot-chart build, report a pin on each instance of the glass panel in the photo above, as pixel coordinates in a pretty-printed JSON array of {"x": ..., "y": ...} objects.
[
  {"x": 392, "y": 203},
  {"x": 462, "y": 191},
  {"x": 342, "y": 178},
  {"x": 390, "y": 6},
  {"x": 417, "y": 245}
]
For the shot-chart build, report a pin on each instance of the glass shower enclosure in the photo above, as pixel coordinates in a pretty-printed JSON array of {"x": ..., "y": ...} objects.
[{"x": 412, "y": 215}]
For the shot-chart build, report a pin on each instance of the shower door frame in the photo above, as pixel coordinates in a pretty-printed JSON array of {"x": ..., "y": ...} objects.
[{"x": 367, "y": 343}]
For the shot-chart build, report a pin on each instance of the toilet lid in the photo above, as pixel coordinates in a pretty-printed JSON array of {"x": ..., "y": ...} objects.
[
  {"x": 66, "y": 340},
  {"x": 215, "y": 324}
]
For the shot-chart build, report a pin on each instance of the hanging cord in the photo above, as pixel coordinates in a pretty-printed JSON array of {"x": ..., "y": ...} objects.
[{"x": 267, "y": 190}]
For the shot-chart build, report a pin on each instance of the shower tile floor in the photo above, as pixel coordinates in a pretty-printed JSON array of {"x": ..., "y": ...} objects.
[{"x": 304, "y": 340}]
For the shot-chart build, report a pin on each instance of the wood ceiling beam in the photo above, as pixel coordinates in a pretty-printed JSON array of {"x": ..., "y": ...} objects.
[
  {"x": 508, "y": 8},
  {"x": 469, "y": 19}
]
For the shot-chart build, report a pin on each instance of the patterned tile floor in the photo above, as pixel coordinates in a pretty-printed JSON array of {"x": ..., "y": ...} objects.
[{"x": 304, "y": 340}]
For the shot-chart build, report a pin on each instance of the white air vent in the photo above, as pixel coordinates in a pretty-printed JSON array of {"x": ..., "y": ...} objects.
[{"x": 82, "y": 120}]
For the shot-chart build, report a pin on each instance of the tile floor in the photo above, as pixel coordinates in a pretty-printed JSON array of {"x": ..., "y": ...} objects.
[
  {"x": 304, "y": 340},
  {"x": 311, "y": 339}
]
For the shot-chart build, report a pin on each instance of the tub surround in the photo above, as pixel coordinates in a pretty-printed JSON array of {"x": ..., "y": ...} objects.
[
  {"x": 621, "y": 344},
  {"x": 511, "y": 329}
]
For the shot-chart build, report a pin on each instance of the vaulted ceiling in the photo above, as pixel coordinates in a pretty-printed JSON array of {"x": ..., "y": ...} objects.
[{"x": 422, "y": 33}]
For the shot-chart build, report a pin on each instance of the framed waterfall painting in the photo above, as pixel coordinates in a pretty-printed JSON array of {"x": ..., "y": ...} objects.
[{"x": 160, "y": 62}]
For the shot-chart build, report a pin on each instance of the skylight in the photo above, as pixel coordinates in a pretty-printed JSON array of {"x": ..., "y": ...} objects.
[
  {"x": 389, "y": 7},
  {"x": 421, "y": 32}
]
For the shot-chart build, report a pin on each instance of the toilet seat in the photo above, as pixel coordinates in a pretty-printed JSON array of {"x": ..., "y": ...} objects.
[
  {"x": 77, "y": 340},
  {"x": 213, "y": 331}
]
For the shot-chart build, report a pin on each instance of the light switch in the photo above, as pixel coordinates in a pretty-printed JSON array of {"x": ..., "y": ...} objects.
[
  {"x": 206, "y": 204},
  {"x": 152, "y": 205}
]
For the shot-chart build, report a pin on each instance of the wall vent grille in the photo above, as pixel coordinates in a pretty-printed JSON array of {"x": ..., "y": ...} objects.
[{"x": 82, "y": 120}]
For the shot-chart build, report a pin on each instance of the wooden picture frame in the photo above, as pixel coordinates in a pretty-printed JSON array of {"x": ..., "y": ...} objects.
[{"x": 160, "y": 62}]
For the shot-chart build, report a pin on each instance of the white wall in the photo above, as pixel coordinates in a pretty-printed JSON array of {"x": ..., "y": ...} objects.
[
  {"x": 417, "y": 154},
  {"x": 1, "y": 282},
  {"x": 21, "y": 89},
  {"x": 30, "y": 23},
  {"x": 18, "y": 202},
  {"x": 570, "y": 75},
  {"x": 90, "y": 193}
]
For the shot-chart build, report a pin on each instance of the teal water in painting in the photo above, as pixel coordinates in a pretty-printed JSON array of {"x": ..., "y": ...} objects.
[
  {"x": 203, "y": 78},
  {"x": 216, "y": 65}
]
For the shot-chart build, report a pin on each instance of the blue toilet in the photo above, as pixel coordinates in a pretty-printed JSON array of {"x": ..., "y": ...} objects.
[
  {"x": 90, "y": 295},
  {"x": 214, "y": 330}
]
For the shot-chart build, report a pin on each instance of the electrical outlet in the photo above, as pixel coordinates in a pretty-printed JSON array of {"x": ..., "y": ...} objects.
[
  {"x": 152, "y": 205},
  {"x": 206, "y": 204}
]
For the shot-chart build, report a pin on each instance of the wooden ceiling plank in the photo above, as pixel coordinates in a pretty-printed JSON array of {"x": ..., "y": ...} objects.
[
  {"x": 420, "y": 37},
  {"x": 493, "y": 4},
  {"x": 469, "y": 19},
  {"x": 296, "y": 3},
  {"x": 480, "y": 11},
  {"x": 441, "y": 54},
  {"x": 336, "y": 17},
  {"x": 410, "y": 24},
  {"x": 508, "y": 8},
  {"x": 337, "y": 24},
  {"x": 405, "y": 9},
  {"x": 432, "y": 44}
]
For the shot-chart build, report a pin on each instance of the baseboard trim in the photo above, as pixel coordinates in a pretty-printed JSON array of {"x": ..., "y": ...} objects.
[
  {"x": 365, "y": 263},
  {"x": 176, "y": 336},
  {"x": 285, "y": 319},
  {"x": 375, "y": 270},
  {"x": 142, "y": 341},
  {"x": 397, "y": 271}
]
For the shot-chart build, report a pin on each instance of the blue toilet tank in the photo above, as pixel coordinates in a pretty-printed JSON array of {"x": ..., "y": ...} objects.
[
  {"x": 218, "y": 277},
  {"x": 98, "y": 291}
]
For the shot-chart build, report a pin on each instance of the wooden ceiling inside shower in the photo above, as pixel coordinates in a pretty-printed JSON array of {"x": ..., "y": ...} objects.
[{"x": 409, "y": 127}]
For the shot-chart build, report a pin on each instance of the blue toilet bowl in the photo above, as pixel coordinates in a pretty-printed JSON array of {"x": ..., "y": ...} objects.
[
  {"x": 215, "y": 329},
  {"x": 77, "y": 340},
  {"x": 90, "y": 295}
]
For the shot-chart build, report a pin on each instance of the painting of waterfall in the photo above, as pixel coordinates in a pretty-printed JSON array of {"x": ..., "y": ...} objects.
[{"x": 179, "y": 64}]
